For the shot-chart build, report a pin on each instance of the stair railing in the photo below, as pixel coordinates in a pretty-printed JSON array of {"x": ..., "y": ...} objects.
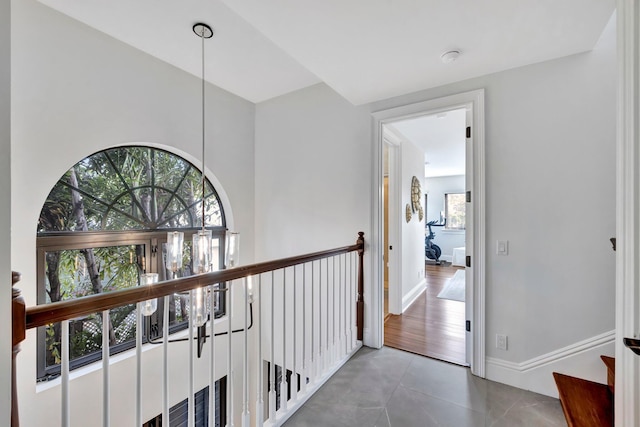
[{"x": 312, "y": 324}]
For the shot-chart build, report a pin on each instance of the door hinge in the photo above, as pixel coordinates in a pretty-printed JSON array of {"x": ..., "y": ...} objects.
[
  {"x": 468, "y": 326},
  {"x": 468, "y": 196},
  {"x": 468, "y": 261},
  {"x": 468, "y": 131}
]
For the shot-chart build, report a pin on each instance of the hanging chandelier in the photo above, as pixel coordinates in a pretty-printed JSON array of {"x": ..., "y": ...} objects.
[{"x": 202, "y": 250}]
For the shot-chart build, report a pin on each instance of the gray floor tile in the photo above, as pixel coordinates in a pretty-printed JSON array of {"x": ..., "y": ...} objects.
[
  {"x": 367, "y": 380},
  {"x": 334, "y": 416},
  {"x": 392, "y": 388},
  {"x": 531, "y": 409},
  {"x": 447, "y": 382},
  {"x": 410, "y": 408}
]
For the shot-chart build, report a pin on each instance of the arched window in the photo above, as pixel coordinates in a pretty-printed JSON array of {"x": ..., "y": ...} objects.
[{"x": 104, "y": 223}]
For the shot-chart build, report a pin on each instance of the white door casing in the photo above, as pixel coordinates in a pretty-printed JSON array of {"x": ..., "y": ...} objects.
[
  {"x": 627, "y": 410},
  {"x": 474, "y": 102}
]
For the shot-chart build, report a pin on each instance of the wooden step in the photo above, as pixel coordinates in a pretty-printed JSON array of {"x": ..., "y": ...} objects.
[
  {"x": 585, "y": 403},
  {"x": 611, "y": 372}
]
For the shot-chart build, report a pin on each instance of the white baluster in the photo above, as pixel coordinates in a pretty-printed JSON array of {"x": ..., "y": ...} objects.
[
  {"x": 345, "y": 303},
  {"x": 294, "y": 372},
  {"x": 272, "y": 363},
  {"x": 64, "y": 375},
  {"x": 260, "y": 400},
  {"x": 165, "y": 360},
  {"x": 313, "y": 356},
  {"x": 139, "y": 364},
  {"x": 305, "y": 362},
  {"x": 230, "y": 377},
  {"x": 354, "y": 284},
  {"x": 327, "y": 352},
  {"x": 106, "y": 406},
  {"x": 321, "y": 358},
  {"x": 190, "y": 403},
  {"x": 283, "y": 385},
  {"x": 212, "y": 358},
  {"x": 338, "y": 306},
  {"x": 246, "y": 417}
]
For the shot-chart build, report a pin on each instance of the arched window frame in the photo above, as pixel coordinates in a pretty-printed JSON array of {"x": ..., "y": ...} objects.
[{"x": 146, "y": 241}]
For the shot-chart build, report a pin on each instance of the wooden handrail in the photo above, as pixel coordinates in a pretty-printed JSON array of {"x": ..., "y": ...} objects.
[
  {"x": 45, "y": 314},
  {"x": 41, "y": 315}
]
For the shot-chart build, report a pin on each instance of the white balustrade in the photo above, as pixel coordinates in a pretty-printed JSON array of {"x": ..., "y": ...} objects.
[{"x": 299, "y": 320}]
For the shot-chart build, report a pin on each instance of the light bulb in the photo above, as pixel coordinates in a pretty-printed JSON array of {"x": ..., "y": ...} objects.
[
  {"x": 174, "y": 250},
  {"x": 202, "y": 252},
  {"x": 249, "y": 289},
  {"x": 232, "y": 253},
  {"x": 200, "y": 311},
  {"x": 149, "y": 306}
]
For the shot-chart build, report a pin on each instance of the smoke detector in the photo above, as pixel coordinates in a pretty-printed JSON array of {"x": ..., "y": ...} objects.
[{"x": 449, "y": 56}]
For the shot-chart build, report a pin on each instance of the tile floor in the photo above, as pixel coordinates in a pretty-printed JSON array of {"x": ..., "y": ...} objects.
[{"x": 392, "y": 388}]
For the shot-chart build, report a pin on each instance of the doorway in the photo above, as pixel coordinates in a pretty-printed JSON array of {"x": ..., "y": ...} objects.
[
  {"x": 473, "y": 105},
  {"x": 433, "y": 325}
]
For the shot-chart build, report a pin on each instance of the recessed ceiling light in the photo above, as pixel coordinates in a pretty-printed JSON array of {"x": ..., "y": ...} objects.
[{"x": 450, "y": 56}]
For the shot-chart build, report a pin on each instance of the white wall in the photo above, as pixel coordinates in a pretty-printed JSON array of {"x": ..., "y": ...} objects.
[
  {"x": 76, "y": 91},
  {"x": 436, "y": 188},
  {"x": 550, "y": 159},
  {"x": 313, "y": 172},
  {"x": 550, "y": 170},
  {"x": 5, "y": 211},
  {"x": 412, "y": 275}
]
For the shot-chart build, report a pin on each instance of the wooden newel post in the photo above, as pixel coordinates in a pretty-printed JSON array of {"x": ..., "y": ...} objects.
[
  {"x": 360, "y": 300},
  {"x": 19, "y": 327}
]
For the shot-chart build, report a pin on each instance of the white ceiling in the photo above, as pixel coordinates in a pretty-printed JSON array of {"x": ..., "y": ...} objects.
[
  {"x": 366, "y": 50},
  {"x": 441, "y": 137}
]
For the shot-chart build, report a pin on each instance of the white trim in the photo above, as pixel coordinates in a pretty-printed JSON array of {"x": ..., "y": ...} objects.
[
  {"x": 413, "y": 294},
  {"x": 627, "y": 412},
  {"x": 475, "y": 100},
  {"x": 535, "y": 374}
]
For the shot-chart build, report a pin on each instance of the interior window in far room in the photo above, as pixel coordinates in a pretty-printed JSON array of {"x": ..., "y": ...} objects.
[{"x": 454, "y": 211}]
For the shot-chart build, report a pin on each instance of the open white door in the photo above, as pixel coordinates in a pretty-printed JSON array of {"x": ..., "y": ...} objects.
[{"x": 469, "y": 236}]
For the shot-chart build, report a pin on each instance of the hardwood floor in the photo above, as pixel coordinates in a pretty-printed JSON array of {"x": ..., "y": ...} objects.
[{"x": 431, "y": 326}]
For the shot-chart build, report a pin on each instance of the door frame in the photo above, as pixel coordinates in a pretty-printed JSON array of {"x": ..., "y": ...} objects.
[
  {"x": 374, "y": 335},
  {"x": 627, "y": 411},
  {"x": 395, "y": 232}
]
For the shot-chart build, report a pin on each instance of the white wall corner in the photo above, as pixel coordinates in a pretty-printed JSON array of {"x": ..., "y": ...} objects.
[
  {"x": 413, "y": 294},
  {"x": 581, "y": 359}
]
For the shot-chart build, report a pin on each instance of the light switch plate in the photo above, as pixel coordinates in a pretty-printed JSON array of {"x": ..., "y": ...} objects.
[{"x": 502, "y": 247}]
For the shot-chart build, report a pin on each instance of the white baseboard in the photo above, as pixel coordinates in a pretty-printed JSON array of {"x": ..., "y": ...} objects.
[
  {"x": 414, "y": 293},
  {"x": 581, "y": 360},
  {"x": 448, "y": 258}
]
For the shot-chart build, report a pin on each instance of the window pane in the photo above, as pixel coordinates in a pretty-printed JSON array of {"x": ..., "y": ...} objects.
[
  {"x": 455, "y": 205},
  {"x": 130, "y": 188},
  {"x": 76, "y": 273}
]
